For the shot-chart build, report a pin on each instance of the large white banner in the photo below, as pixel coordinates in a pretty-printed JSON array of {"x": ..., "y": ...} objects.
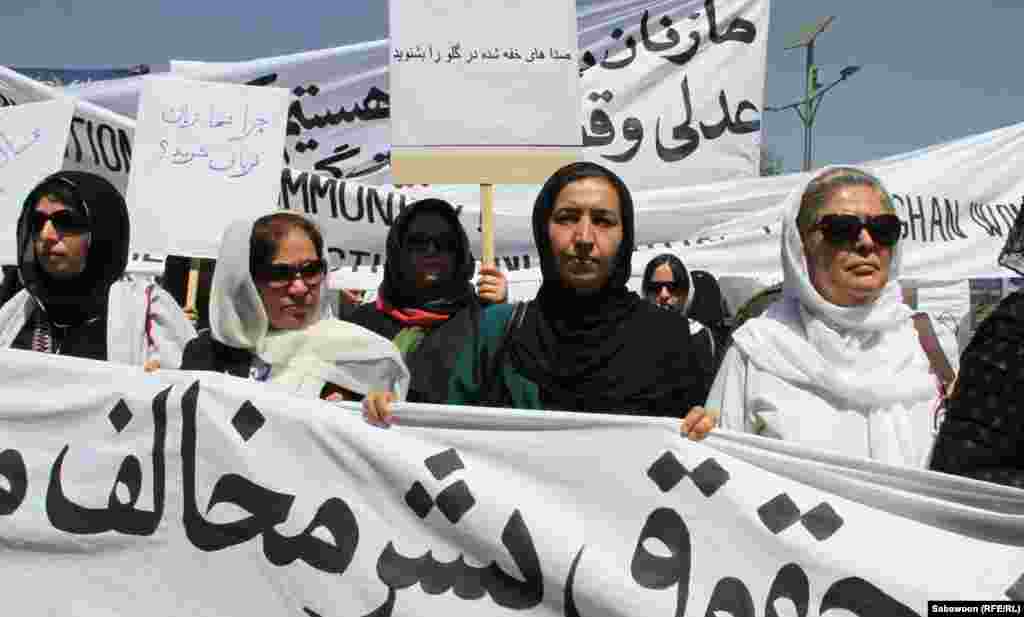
[
  {"x": 957, "y": 201},
  {"x": 202, "y": 494}
]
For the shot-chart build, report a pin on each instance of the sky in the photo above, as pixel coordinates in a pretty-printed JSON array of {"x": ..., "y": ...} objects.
[{"x": 931, "y": 70}]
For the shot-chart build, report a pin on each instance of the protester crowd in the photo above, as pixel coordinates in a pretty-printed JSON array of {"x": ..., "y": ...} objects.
[{"x": 832, "y": 359}]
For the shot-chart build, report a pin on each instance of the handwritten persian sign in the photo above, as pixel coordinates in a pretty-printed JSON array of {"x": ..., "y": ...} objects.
[
  {"x": 32, "y": 140},
  {"x": 483, "y": 81},
  {"x": 206, "y": 154}
]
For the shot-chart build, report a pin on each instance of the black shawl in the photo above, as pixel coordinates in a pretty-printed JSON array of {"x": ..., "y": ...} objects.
[
  {"x": 982, "y": 436},
  {"x": 607, "y": 352}
]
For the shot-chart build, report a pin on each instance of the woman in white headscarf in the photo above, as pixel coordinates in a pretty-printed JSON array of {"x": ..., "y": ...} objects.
[
  {"x": 265, "y": 318},
  {"x": 836, "y": 364}
]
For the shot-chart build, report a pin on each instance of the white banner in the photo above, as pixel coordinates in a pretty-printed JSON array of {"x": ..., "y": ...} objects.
[
  {"x": 671, "y": 93},
  {"x": 957, "y": 200},
  {"x": 32, "y": 139},
  {"x": 199, "y": 146},
  {"x": 100, "y": 141},
  {"x": 202, "y": 494}
]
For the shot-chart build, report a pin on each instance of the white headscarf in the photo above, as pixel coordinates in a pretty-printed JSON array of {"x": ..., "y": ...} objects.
[
  {"x": 868, "y": 357},
  {"x": 326, "y": 350}
]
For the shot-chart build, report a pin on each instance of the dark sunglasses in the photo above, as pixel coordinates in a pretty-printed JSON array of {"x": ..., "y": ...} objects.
[
  {"x": 840, "y": 229},
  {"x": 656, "y": 287},
  {"x": 65, "y": 221},
  {"x": 282, "y": 275},
  {"x": 420, "y": 242}
]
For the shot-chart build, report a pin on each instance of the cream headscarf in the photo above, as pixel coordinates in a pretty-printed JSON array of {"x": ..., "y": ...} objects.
[
  {"x": 326, "y": 350},
  {"x": 867, "y": 357}
]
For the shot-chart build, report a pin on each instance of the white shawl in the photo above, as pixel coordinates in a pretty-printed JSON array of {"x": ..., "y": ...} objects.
[
  {"x": 326, "y": 350},
  {"x": 143, "y": 323}
]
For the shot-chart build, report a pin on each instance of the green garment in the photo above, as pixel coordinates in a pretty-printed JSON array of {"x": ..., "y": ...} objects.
[
  {"x": 409, "y": 339},
  {"x": 463, "y": 388}
]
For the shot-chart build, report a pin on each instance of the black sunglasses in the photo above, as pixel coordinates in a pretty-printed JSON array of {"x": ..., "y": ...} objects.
[
  {"x": 840, "y": 229},
  {"x": 64, "y": 221},
  {"x": 420, "y": 242},
  {"x": 281, "y": 275},
  {"x": 655, "y": 287}
]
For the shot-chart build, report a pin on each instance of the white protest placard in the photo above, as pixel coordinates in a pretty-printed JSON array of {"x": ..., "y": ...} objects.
[
  {"x": 204, "y": 154},
  {"x": 32, "y": 140},
  {"x": 498, "y": 75}
]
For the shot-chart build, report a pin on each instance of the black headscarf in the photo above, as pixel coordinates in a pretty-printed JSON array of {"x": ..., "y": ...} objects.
[
  {"x": 610, "y": 351},
  {"x": 399, "y": 285},
  {"x": 73, "y": 301}
]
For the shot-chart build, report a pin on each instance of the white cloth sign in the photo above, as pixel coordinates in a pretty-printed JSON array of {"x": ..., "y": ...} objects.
[
  {"x": 486, "y": 73},
  {"x": 200, "y": 145},
  {"x": 203, "y": 494},
  {"x": 32, "y": 139},
  {"x": 99, "y": 140}
]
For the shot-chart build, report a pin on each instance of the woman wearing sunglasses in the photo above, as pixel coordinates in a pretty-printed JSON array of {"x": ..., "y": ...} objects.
[
  {"x": 426, "y": 303},
  {"x": 266, "y": 306},
  {"x": 586, "y": 343},
  {"x": 836, "y": 364},
  {"x": 73, "y": 239},
  {"x": 669, "y": 285}
]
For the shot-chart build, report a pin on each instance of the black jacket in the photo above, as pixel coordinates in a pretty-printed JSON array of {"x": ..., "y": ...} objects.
[
  {"x": 982, "y": 436},
  {"x": 204, "y": 353}
]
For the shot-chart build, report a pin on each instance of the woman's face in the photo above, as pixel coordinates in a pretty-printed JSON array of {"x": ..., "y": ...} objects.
[
  {"x": 292, "y": 304},
  {"x": 664, "y": 290},
  {"x": 585, "y": 230},
  {"x": 430, "y": 246},
  {"x": 849, "y": 273}
]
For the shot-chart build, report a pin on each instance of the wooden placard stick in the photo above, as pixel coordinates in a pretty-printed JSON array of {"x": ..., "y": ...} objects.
[
  {"x": 192, "y": 289},
  {"x": 487, "y": 224}
]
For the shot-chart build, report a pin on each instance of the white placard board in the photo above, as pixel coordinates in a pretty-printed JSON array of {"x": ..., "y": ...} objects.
[
  {"x": 32, "y": 141},
  {"x": 205, "y": 155},
  {"x": 501, "y": 75}
]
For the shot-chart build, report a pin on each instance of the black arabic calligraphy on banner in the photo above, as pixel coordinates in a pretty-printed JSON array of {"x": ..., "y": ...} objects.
[
  {"x": 330, "y": 541},
  {"x": 676, "y": 142}
]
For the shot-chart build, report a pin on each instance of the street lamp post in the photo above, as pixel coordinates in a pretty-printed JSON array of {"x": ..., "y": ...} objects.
[{"x": 807, "y": 108}]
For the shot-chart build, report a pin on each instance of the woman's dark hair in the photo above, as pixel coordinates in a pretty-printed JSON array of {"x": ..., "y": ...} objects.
[
  {"x": 675, "y": 264},
  {"x": 269, "y": 230},
  {"x": 59, "y": 191}
]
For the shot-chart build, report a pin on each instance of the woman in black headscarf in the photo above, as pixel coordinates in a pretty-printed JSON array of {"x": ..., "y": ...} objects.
[
  {"x": 982, "y": 436},
  {"x": 73, "y": 235},
  {"x": 586, "y": 343},
  {"x": 426, "y": 304}
]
